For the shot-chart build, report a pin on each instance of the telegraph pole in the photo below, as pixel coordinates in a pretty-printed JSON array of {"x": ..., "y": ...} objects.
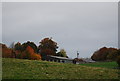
[{"x": 77, "y": 54}]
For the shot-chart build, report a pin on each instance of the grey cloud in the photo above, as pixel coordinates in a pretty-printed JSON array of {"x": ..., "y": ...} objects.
[{"x": 74, "y": 26}]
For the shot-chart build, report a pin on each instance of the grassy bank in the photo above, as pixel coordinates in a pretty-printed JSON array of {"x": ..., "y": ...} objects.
[
  {"x": 33, "y": 69},
  {"x": 110, "y": 65}
]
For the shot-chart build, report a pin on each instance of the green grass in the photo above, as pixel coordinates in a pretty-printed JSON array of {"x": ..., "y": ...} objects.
[
  {"x": 33, "y": 69},
  {"x": 102, "y": 64}
]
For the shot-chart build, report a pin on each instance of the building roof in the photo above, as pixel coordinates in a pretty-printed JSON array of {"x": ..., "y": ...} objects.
[{"x": 63, "y": 58}]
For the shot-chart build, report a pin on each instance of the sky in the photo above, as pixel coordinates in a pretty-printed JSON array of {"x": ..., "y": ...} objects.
[
  {"x": 0, "y": 22},
  {"x": 75, "y": 26},
  {"x": 119, "y": 25}
]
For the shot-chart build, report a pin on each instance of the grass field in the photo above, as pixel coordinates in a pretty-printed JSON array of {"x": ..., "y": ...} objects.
[
  {"x": 110, "y": 65},
  {"x": 33, "y": 69}
]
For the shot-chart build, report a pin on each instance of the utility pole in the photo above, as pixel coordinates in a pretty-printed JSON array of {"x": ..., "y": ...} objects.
[{"x": 77, "y": 54}]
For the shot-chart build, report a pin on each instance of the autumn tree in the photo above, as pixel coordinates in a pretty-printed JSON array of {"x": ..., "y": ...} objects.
[
  {"x": 113, "y": 53},
  {"x": 104, "y": 54},
  {"x": 100, "y": 55},
  {"x": 31, "y": 44},
  {"x": 27, "y": 52},
  {"x": 24, "y": 51},
  {"x": 3, "y": 46},
  {"x": 18, "y": 46},
  {"x": 47, "y": 47},
  {"x": 30, "y": 54},
  {"x": 6, "y": 52}
]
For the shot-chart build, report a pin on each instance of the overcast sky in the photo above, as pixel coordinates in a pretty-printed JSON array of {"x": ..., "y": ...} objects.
[{"x": 75, "y": 26}]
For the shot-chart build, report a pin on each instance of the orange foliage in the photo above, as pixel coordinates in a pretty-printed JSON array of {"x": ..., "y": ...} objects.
[
  {"x": 35, "y": 57},
  {"x": 6, "y": 53},
  {"x": 27, "y": 54},
  {"x": 104, "y": 54},
  {"x": 29, "y": 49},
  {"x": 30, "y": 54},
  {"x": 48, "y": 52}
]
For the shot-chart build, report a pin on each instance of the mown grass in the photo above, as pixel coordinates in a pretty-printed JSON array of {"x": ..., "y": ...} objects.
[
  {"x": 110, "y": 65},
  {"x": 34, "y": 69}
]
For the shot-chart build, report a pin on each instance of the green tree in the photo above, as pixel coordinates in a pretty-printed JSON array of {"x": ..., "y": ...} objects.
[{"x": 62, "y": 53}]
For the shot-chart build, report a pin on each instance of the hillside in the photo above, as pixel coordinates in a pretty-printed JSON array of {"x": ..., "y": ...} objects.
[
  {"x": 34, "y": 69},
  {"x": 110, "y": 65}
]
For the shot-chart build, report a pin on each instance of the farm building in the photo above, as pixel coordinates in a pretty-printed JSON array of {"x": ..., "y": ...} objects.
[
  {"x": 59, "y": 59},
  {"x": 68, "y": 60}
]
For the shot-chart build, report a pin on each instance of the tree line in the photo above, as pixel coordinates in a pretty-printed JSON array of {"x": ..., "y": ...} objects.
[{"x": 29, "y": 50}]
